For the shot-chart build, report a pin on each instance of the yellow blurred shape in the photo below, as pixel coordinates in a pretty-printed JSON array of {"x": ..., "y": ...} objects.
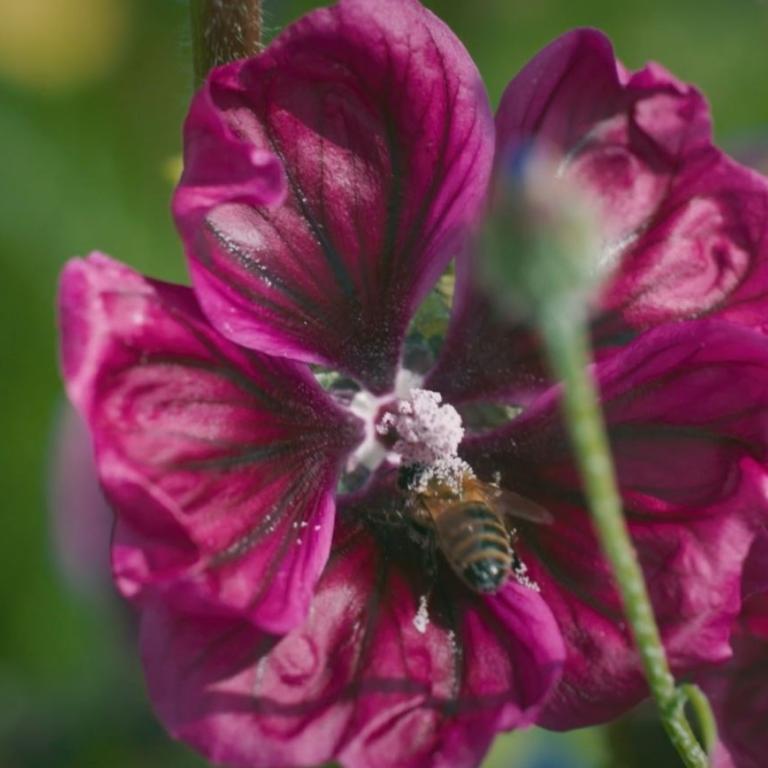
[
  {"x": 172, "y": 169},
  {"x": 54, "y": 45}
]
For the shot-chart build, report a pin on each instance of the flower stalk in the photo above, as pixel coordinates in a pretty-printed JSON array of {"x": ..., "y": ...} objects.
[
  {"x": 223, "y": 31},
  {"x": 704, "y": 717},
  {"x": 569, "y": 356}
]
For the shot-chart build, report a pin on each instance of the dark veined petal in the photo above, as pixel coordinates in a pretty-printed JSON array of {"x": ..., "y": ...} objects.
[
  {"x": 220, "y": 463},
  {"x": 706, "y": 253},
  {"x": 683, "y": 226},
  {"x": 373, "y": 678},
  {"x": 738, "y": 694},
  {"x": 755, "y": 581},
  {"x": 624, "y": 137},
  {"x": 381, "y": 123},
  {"x": 558, "y": 98},
  {"x": 687, "y": 411},
  {"x": 486, "y": 356},
  {"x": 738, "y": 689},
  {"x": 640, "y": 144},
  {"x": 219, "y": 167}
]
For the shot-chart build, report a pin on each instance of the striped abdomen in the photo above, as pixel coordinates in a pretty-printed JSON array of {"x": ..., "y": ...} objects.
[{"x": 476, "y": 544}]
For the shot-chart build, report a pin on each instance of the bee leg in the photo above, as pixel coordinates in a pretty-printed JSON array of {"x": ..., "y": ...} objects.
[
  {"x": 419, "y": 535},
  {"x": 512, "y": 532},
  {"x": 430, "y": 562},
  {"x": 518, "y": 568},
  {"x": 424, "y": 538},
  {"x": 389, "y": 516}
]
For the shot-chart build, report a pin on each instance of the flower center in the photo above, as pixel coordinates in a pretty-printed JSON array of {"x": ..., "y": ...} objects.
[
  {"x": 427, "y": 435},
  {"x": 427, "y": 430},
  {"x": 443, "y": 506},
  {"x": 411, "y": 427},
  {"x": 372, "y": 451}
]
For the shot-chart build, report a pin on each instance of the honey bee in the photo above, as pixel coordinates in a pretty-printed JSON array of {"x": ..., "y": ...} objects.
[{"x": 471, "y": 526}]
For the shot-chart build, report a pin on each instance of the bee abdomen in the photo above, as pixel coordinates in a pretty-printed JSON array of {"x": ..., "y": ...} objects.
[{"x": 476, "y": 543}]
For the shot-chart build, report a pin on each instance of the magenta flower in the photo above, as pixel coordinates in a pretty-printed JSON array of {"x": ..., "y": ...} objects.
[
  {"x": 684, "y": 225},
  {"x": 328, "y": 182}
]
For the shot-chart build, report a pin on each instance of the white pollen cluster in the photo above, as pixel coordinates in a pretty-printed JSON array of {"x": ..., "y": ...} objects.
[
  {"x": 520, "y": 572},
  {"x": 428, "y": 432},
  {"x": 448, "y": 473},
  {"x": 421, "y": 619}
]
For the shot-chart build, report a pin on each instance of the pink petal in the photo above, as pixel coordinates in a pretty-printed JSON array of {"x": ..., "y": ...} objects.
[
  {"x": 686, "y": 408},
  {"x": 705, "y": 253},
  {"x": 754, "y": 587},
  {"x": 380, "y": 120},
  {"x": 738, "y": 690},
  {"x": 683, "y": 226},
  {"x": 624, "y": 137},
  {"x": 738, "y": 694},
  {"x": 360, "y": 681},
  {"x": 220, "y": 463},
  {"x": 486, "y": 356},
  {"x": 683, "y": 223},
  {"x": 219, "y": 167}
]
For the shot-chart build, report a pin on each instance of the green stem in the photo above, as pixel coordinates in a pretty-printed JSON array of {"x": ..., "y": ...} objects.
[
  {"x": 223, "y": 31},
  {"x": 569, "y": 356},
  {"x": 704, "y": 717}
]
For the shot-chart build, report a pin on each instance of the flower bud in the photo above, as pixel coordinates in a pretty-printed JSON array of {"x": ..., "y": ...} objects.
[{"x": 541, "y": 245}]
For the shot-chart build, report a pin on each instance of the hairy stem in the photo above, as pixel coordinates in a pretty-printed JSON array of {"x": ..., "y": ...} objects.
[
  {"x": 569, "y": 357},
  {"x": 223, "y": 31},
  {"x": 705, "y": 720}
]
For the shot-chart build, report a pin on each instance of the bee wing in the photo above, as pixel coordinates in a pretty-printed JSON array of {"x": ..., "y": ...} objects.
[{"x": 516, "y": 506}]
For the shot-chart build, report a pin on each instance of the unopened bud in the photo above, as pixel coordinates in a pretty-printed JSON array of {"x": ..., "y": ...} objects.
[{"x": 541, "y": 245}]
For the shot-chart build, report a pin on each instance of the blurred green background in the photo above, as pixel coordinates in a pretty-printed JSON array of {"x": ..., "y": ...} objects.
[{"x": 92, "y": 95}]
